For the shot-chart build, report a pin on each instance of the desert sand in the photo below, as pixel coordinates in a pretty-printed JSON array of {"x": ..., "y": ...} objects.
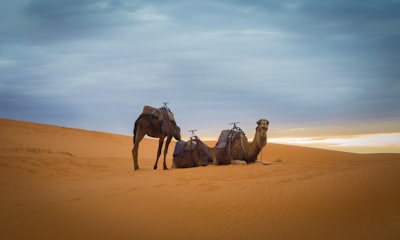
[{"x": 65, "y": 183}]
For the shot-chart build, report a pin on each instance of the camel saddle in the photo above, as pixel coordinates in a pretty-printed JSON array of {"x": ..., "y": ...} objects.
[
  {"x": 181, "y": 147},
  {"x": 164, "y": 116},
  {"x": 227, "y": 137}
]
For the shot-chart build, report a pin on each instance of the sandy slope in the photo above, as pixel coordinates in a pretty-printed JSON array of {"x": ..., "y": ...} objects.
[{"x": 63, "y": 183}]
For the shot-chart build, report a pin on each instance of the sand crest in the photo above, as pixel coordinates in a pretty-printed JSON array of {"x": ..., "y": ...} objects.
[{"x": 64, "y": 183}]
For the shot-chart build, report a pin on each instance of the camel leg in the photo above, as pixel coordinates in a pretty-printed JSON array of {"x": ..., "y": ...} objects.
[
  {"x": 166, "y": 151},
  {"x": 160, "y": 144},
  {"x": 138, "y": 137},
  {"x": 215, "y": 157}
]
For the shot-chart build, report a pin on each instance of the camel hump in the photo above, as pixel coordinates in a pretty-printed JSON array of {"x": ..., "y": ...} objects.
[
  {"x": 152, "y": 111},
  {"x": 160, "y": 113},
  {"x": 165, "y": 118}
]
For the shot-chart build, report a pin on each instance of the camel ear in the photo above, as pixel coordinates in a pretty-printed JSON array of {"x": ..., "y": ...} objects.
[{"x": 258, "y": 122}]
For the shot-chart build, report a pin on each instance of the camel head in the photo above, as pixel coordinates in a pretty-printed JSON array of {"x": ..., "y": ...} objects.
[
  {"x": 177, "y": 133},
  {"x": 261, "y": 132}
]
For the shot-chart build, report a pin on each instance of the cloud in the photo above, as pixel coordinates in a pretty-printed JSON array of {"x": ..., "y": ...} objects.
[
  {"x": 148, "y": 14},
  {"x": 301, "y": 63},
  {"x": 6, "y": 62}
]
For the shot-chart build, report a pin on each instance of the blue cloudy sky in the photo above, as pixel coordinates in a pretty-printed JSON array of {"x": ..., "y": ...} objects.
[{"x": 313, "y": 68}]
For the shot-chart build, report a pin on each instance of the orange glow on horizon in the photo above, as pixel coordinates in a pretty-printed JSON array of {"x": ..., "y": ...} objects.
[{"x": 363, "y": 143}]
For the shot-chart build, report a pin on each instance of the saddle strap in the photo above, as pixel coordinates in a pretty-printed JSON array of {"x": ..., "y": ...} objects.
[
  {"x": 191, "y": 153},
  {"x": 231, "y": 138}
]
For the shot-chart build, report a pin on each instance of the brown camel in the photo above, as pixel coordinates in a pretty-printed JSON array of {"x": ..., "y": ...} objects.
[
  {"x": 156, "y": 123},
  {"x": 233, "y": 144},
  {"x": 193, "y": 153}
]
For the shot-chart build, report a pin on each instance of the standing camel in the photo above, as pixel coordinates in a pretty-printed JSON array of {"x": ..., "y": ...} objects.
[
  {"x": 157, "y": 123},
  {"x": 233, "y": 144},
  {"x": 192, "y": 153}
]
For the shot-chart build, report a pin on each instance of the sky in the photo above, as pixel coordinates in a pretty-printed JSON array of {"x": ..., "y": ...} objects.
[{"x": 315, "y": 69}]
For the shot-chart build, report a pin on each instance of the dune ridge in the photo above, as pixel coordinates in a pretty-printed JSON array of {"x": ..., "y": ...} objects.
[{"x": 64, "y": 183}]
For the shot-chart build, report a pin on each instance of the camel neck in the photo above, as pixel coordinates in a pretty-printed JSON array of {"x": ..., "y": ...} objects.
[{"x": 254, "y": 149}]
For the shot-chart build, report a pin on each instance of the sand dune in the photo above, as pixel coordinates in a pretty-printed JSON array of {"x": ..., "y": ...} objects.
[{"x": 64, "y": 183}]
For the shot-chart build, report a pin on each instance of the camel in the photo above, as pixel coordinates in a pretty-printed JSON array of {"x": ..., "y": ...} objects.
[
  {"x": 233, "y": 145},
  {"x": 192, "y": 153},
  {"x": 156, "y": 123}
]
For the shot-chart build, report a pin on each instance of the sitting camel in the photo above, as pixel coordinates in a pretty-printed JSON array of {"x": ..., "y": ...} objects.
[
  {"x": 192, "y": 153},
  {"x": 233, "y": 144}
]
